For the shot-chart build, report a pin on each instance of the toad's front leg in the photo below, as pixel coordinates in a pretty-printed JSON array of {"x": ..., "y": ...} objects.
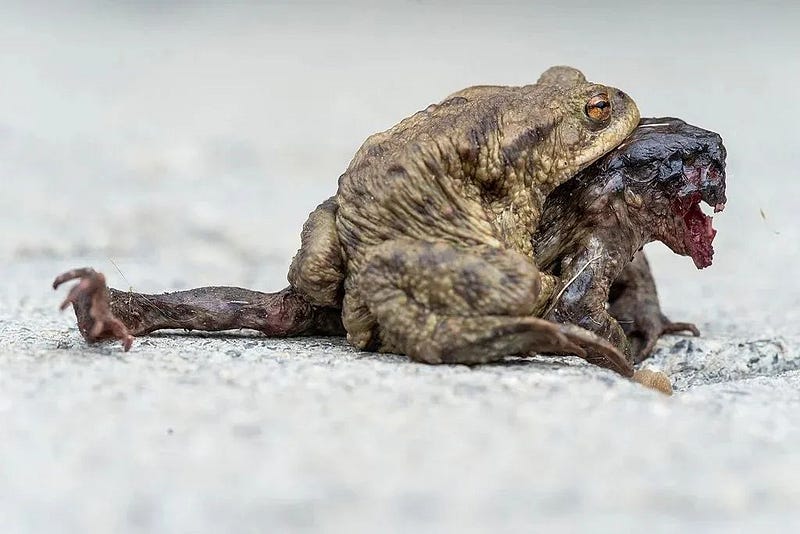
[
  {"x": 586, "y": 279},
  {"x": 444, "y": 303},
  {"x": 582, "y": 297}
]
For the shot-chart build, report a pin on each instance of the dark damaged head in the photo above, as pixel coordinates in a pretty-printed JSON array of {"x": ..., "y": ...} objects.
[{"x": 668, "y": 168}]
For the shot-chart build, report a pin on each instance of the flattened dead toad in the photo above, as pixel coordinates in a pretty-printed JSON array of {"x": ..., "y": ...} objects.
[{"x": 647, "y": 189}]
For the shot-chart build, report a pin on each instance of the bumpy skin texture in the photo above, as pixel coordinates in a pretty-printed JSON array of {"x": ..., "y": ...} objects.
[
  {"x": 659, "y": 160},
  {"x": 436, "y": 214},
  {"x": 317, "y": 270},
  {"x": 428, "y": 240},
  {"x": 648, "y": 189}
]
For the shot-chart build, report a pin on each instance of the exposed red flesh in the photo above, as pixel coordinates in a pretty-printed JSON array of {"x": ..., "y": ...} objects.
[
  {"x": 698, "y": 231},
  {"x": 699, "y": 236}
]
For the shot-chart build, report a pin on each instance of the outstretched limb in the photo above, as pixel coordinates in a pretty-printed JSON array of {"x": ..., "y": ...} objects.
[
  {"x": 633, "y": 301},
  {"x": 441, "y": 303},
  {"x": 104, "y": 313}
]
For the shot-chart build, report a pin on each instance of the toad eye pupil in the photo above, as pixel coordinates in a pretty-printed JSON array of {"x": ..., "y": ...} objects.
[{"x": 598, "y": 108}]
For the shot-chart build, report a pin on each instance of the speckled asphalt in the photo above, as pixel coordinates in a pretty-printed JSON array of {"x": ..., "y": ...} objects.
[{"x": 184, "y": 146}]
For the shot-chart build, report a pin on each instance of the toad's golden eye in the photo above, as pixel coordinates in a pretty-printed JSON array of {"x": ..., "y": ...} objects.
[{"x": 598, "y": 108}]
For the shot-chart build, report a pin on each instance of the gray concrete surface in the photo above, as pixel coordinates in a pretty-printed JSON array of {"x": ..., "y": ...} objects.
[{"x": 177, "y": 145}]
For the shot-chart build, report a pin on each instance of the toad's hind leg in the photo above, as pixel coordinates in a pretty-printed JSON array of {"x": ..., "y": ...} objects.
[
  {"x": 440, "y": 303},
  {"x": 317, "y": 270},
  {"x": 105, "y": 313},
  {"x": 633, "y": 301}
]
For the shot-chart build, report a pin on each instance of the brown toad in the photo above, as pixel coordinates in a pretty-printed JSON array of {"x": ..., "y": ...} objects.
[
  {"x": 426, "y": 249},
  {"x": 434, "y": 218},
  {"x": 648, "y": 188}
]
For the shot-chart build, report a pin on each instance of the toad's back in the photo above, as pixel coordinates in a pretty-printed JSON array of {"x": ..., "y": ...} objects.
[{"x": 443, "y": 174}]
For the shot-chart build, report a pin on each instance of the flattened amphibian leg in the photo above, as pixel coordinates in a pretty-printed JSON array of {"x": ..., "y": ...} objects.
[
  {"x": 633, "y": 301},
  {"x": 440, "y": 303},
  {"x": 583, "y": 298},
  {"x": 104, "y": 313}
]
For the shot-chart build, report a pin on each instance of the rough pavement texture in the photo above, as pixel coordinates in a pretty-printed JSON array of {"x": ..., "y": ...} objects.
[{"x": 185, "y": 147}]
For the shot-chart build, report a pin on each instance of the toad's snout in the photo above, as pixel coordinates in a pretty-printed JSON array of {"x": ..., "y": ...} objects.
[
  {"x": 712, "y": 187},
  {"x": 706, "y": 174}
]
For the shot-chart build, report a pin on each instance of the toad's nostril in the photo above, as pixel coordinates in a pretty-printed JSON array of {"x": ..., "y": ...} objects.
[{"x": 621, "y": 94}]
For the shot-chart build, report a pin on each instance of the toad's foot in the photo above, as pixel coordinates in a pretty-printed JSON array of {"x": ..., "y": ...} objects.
[
  {"x": 645, "y": 330},
  {"x": 90, "y": 300},
  {"x": 596, "y": 350},
  {"x": 481, "y": 339},
  {"x": 654, "y": 380}
]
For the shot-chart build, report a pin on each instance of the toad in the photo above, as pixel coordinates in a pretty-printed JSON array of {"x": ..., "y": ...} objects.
[
  {"x": 593, "y": 228},
  {"x": 426, "y": 248}
]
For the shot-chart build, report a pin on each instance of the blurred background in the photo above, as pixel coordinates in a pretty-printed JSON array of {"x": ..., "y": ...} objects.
[
  {"x": 204, "y": 132},
  {"x": 180, "y": 144}
]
